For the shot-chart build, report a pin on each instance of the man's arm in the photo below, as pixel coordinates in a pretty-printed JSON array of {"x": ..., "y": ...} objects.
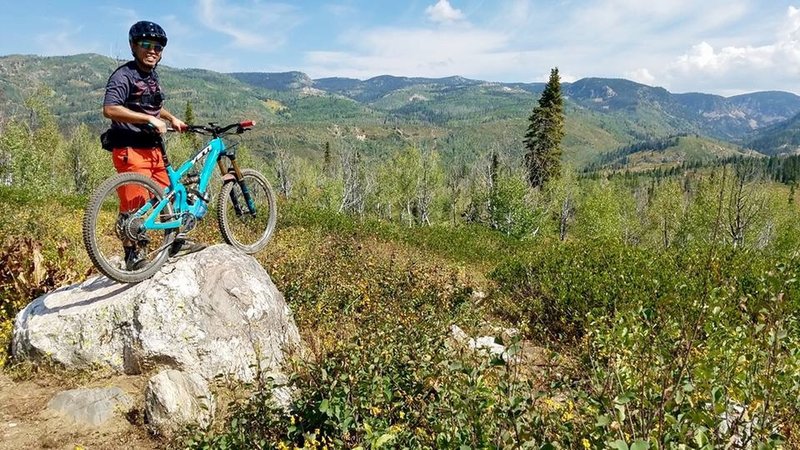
[{"x": 120, "y": 113}]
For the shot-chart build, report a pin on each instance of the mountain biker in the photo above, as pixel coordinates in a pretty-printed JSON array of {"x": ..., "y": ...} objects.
[{"x": 134, "y": 103}]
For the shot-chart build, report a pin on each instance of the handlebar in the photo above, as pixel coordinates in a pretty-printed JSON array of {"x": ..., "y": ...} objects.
[{"x": 216, "y": 130}]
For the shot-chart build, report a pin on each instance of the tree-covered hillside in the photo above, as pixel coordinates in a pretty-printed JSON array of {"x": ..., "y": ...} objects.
[
  {"x": 670, "y": 151},
  {"x": 603, "y": 114},
  {"x": 782, "y": 138}
]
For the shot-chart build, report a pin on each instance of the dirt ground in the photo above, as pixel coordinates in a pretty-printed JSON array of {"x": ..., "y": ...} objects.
[{"x": 25, "y": 422}]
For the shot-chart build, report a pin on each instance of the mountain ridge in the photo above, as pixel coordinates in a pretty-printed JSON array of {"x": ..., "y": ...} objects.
[
  {"x": 731, "y": 118},
  {"x": 603, "y": 114}
]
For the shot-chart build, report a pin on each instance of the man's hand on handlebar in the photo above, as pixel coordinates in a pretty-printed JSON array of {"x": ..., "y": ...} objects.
[
  {"x": 157, "y": 125},
  {"x": 178, "y": 125},
  {"x": 160, "y": 126}
]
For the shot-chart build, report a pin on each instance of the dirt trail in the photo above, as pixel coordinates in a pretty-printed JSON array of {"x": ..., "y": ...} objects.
[{"x": 25, "y": 422}]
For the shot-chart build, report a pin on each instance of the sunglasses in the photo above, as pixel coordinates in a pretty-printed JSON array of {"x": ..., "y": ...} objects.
[{"x": 150, "y": 45}]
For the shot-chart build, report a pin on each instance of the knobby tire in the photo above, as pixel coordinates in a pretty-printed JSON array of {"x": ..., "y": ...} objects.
[{"x": 229, "y": 221}]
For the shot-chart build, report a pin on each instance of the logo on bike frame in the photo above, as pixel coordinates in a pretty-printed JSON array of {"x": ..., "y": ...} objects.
[{"x": 202, "y": 153}]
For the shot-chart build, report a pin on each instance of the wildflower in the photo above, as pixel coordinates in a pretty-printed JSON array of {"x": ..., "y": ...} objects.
[
  {"x": 552, "y": 404},
  {"x": 586, "y": 443}
]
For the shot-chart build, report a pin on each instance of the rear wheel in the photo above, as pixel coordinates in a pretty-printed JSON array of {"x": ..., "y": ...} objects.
[
  {"x": 114, "y": 236},
  {"x": 247, "y": 226}
]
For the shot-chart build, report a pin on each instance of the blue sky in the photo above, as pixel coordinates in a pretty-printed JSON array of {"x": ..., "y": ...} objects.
[{"x": 716, "y": 46}]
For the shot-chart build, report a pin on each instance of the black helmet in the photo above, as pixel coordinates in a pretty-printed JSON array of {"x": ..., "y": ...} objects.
[{"x": 147, "y": 30}]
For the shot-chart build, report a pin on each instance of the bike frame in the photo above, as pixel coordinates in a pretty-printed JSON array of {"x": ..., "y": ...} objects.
[{"x": 177, "y": 194}]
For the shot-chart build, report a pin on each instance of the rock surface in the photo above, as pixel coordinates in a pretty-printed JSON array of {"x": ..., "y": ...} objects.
[
  {"x": 93, "y": 407},
  {"x": 215, "y": 312},
  {"x": 175, "y": 399},
  {"x": 483, "y": 343},
  {"x": 521, "y": 352}
]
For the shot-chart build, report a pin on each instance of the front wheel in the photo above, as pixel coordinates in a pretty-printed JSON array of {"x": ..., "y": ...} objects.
[
  {"x": 116, "y": 240},
  {"x": 247, "y": 216}
]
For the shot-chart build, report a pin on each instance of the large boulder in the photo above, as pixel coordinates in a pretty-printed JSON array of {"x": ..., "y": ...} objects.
[{"x": 215, "y": 312}]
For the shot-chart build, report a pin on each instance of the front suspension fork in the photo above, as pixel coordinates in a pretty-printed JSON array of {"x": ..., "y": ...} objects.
[{"x": 239, "y": 178}]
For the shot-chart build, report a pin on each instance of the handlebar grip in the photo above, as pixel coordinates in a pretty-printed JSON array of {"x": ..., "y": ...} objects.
[
  {"x": 178, "y": 130},
  {"x": 247, "y": 123}
]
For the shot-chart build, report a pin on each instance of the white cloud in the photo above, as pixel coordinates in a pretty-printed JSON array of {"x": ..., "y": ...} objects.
[
  {"x": 339, "y": 10},
  {"x": 641, "y": 75},
  {"x": 443, "y": 12},
  {"x": 65, "y": 38},
  {"x": 718, "y": 46},
  {"x": 626, "y": 18},
  {"x": 175, "y": 27},
  {"x": 730, "y": 67},
  {"x": 124, "y": 16},
  {"x": 515, "y": 13},
  {"x": 205, "y": 60},
  {"x": 62, "y": 42},
  {"x": 256, "y": 26},
  {"x": 457, "y": 49},
  {"x": 465, "y": 51}
]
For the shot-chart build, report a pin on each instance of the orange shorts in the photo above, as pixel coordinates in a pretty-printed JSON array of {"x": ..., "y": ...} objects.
[{"x": 146, "y": 161}]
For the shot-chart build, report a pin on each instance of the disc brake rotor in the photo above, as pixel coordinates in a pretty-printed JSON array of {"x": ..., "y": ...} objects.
[{"x": 134, "y": 229}]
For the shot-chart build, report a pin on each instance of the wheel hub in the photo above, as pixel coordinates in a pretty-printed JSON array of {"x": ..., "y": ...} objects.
[{"x": 134, "y": 229}]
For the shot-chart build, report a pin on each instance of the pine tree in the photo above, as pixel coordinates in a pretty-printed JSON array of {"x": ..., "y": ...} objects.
[
  {"x": 190, "y": 139},
  {"x": 188, "y": 115},
  {"x": 545, "y": 131},
  {"x": 327, "y": 164}
]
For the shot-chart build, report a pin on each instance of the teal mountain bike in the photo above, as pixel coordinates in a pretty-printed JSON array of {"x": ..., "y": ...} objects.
[{"x": 128, "y": 241}]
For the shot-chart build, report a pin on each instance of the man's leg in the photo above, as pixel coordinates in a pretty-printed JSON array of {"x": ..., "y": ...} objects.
[{"x": 140, "y": 161}]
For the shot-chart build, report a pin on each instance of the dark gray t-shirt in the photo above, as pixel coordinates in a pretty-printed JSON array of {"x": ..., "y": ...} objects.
[{"x": 136, "y": 90}]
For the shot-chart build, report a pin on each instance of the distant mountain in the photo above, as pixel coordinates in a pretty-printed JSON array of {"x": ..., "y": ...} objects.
[
  {"x": 737, "y": 117},
  {"x": 375, "y": 88},
  {"x": 610, "y": 94},
  {"x": 729, "y": 118},
  {"x": 280, "y": 81},
  {"x": 781, "y": 138},
  {"x": 454, "y": 113},
  {"x": 649, "y": 110}
]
